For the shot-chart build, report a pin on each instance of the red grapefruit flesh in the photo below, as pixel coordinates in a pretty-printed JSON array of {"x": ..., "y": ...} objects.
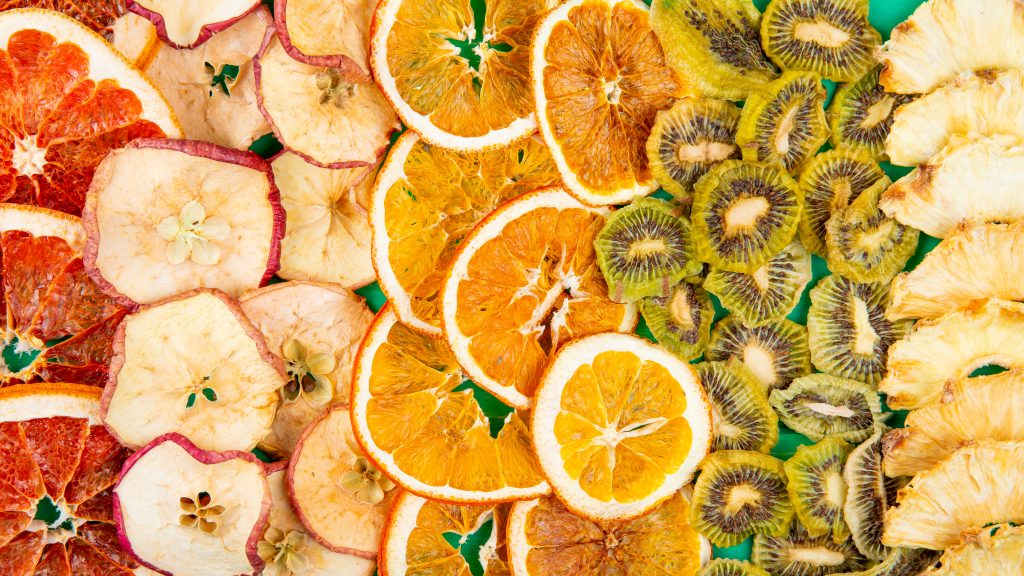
[{"x": 98, "y": 15}]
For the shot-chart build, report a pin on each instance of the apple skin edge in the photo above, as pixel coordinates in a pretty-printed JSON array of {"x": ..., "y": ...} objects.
[
  {"x": 348, "y": 67},
  {"x": 205, "y": 33}
]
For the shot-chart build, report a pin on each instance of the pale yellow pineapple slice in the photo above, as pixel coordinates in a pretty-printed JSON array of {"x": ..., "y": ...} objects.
[{"x": 991, "y": 550}]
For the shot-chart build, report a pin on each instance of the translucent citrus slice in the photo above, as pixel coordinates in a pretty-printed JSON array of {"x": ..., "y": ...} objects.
[
  {"x": 523, "y": 283},
  {"x": 599, "y": 79},
  {"x": 619, "y": 425},
  {"x": 66, "y": 99},
  {"x": 459, "y": 85},
  {"x": 418, "y": 420},
  {"x": 189, "y": 23},
  {"x": 327, "y": 32},
  {"x": 427, "y": 199},
  {"x": 98, "y": 15},
  {"x": 58, "y": 463}
]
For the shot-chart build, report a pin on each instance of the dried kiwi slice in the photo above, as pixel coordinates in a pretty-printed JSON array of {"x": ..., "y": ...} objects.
[
  {"x": 743, "y": 214},
  {"x": 682, "y": 320},
  {"x": 743, "y": 418},
  {"x": 848, "y": 332},
  {"x": 829, "y": 183},
  {"x": 861, "y": 115},
  {"x": 728, "y": 567},
  {"x": 738, "y": 494},
  {"x": 869, "y": 493},
  {"x": 644, "y": 250},
  {"x": 784, "y": 123},
  {"x": 797, "y": 553},
  {"x": 688, "y": 139},
  {"x": 830, "y": 37},
  {"x": 817, "y": 488},
  {"x": 768, "y": 293},
  {"x": 864, "y": 244},
  {"x": 822, "y": 405},
  {"x": 901, "y": 562},
  {"x": 776, "y": 352},
  {"x": 715, "y": 44}
]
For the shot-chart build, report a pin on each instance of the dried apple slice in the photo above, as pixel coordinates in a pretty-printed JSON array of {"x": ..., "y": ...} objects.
[
  {"x": 316, "y": 330},
  {"x": 166, "y": 216},
  {"x": 189, "y": 23},
  {"x": 331, "y": 33},
  {"x": 319, "y": 113},
  {"x": 193, "y": 364},
  {"x": 186, "y": 511}
]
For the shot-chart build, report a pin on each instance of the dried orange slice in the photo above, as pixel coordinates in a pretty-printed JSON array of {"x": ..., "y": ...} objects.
[
  {"x": 599, "y": 79},
  {"x": 523, "y": 283},
  {"x": 619, "y": 425},
  {"x": 330, "y": 33},
  {"x": 189, "y": 23},
  {"x": 66, "y": 99},
  {"x": 427, "y": 199},
  {"x": 458, "y": 85},
  {"x": 419, "y": 422},
  {"x": 59, "y": 464}
]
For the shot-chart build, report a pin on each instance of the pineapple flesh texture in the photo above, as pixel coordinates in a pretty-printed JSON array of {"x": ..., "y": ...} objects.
[{"x": 992, "y": 551}]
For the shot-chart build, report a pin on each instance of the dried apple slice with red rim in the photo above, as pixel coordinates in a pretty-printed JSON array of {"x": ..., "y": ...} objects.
[
  {"x": 330, "y": 33},
  {"x": 185, "y": 511},
  {"x": 166, "y": 216},
  {"x": 189, "y": 23},
  {"x": 195, "y": 365}
]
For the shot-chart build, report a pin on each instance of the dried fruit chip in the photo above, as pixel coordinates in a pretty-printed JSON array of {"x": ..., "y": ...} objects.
[
  {"x": 991, "y": 550},
  {"x": 207, "y": 217},
  {"x": 99, "y": 15},
  {"x": 327, "y": 33},
  {"x": 43, "y": 222},
  {"x": 189, "y": 23}
]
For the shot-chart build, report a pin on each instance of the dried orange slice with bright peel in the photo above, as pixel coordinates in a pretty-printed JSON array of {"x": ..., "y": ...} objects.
[
  {"x": 66, "y": 99},
  {"x": 424, "y": 203},
  {"x": 458, "y": 78},
  {"x": 599, "y": 79},
  {"x": 417, "y": 419},
  {"x": 620, "y": 424},
  {"x": 524, "y": 282}
]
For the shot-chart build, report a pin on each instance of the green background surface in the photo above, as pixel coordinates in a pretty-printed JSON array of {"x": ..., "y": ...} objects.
[{"x": 884, "y": 15}]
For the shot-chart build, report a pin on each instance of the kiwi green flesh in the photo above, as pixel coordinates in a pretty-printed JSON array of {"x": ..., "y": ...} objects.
[
  {"x": 817, "y": 487},
  {"x": 730, "y": 567},
  {"x": 768, "y": 293},
  {"x": 821, "y": 405},
  {"x": 776, "y": 352},
  {"x": 797, "y": 553},
  {"x": 901, "y": 562},
  {"x": 830, "y": 182},
  {"x": 861, "y": 115},
  {"x": 743, "y": 418},
  {"x": 869, "y": 493},
  {"x": 784, "y": 123},
  {"x": 681, "y": 321}
]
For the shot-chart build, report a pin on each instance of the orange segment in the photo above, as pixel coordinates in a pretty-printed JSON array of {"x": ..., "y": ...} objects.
[{"x": 56, "y": 445}]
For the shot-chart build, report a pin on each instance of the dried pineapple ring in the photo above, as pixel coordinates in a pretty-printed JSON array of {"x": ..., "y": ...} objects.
[
  {"x": 990, "y": 550},
  {"x": 189, "y": 23},
  {"x": 331, "y": 33}
]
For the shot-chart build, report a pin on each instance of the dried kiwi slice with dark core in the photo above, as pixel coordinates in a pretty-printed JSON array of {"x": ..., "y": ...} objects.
[
  {"x": 738, "y": 494},
  {"x": 783, "y": 123},
  {"x": 681, "y": 321},
  {"x": 729, "y": 567},
  {"x": 901, "y": 562},
  {"x": 847, "y": 329},
  {"x": 743, "y": 214},
  {"x": 817, "y": 488},
  {"x": 775, "y": 352},
  {"x": 644, "y": 250},
  {"x": 864, "y": 244},
  {"x": 768, "y": 293},
  {"x": 861, "y": 115},
  {"x": 715, "y": 44},
  {"x": 688, "y": 139},
  {"x": 820, "y": 405},
  {"x": 830, "y": 182},
  {"x": 797, "y": 553},
  {"x": 869, "y": 493},
  {"x": 743, "y": 418},
  {"x": 830, "y": 37}
]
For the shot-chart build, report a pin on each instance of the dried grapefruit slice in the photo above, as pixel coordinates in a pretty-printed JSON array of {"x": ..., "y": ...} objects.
[
  {"x": 189, "y": 23},
  {"x": 599, "y": 79},
  {"x": 523, "y": 283},
  {"x": 189, "y": 512},
  {"x": 192, "y": 364},
  {"x": 98, "y": 15},
  {"x": 427, "y": 199},
  {"x": 330, "y": 33},
  {"x": 619, "y": 425},
  {"x": 66, "y": 99},
  {"x": 315, "y": 329},
  {"x": 166, "y": 216}
]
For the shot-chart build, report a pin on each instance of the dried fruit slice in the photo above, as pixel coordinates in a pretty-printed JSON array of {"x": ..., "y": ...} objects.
[
  {"x": 934, "y": 509},
  {"x": 821, "y": 405},
  {"x": 950, "y": 347},
  {"x": 546, "y": 539},
  {"x": 69, "y": 98},
  {"x": 799, "y": 553},
  {"x": 901, "y": 562},
  {"x": 950, "y": 188},
  {"x": 768, "y": 293},
  {"x": 775, "y": 352},
  {"x": 830, "y": 182},
  {"x": 189, "y": 23},
  {"x": 981, "y": 408},
  {"x": 742, "y": 417},
  {"x": 943, "y": 39},
  {"x": 619, "y": 424},
  {"x": 329, "y": 478},
  {"x": 315, "y": 329},
  {"x": 211, "y": 88},
  {"x": 41, "y": 222},
  {"x": 992, "y": 550},
  {"x": 331, "y": 34},
  {"x": 319, "y": 113},
  {"x": 208, "y": 217},
  {"x": 427, "y": 199},
  {"x": 599, "y": 80},
  {"x": 783, "y": 122},
  {"x": 419, "y": 422},
  {"x": 193, "y": 364},
  {"x": 974, "y": 263},
  {"x": 99, "y": 15},
  {"x": 869, "y": 494},
  {"x": 205, "y": 519},
  {"x": 523, "y": 283},
  {"x": 681, "y": 321},
  {"x": 817, "y": 488},
  {"x": 862, "y": 113},
  {"x": 729, "y": 567}
]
